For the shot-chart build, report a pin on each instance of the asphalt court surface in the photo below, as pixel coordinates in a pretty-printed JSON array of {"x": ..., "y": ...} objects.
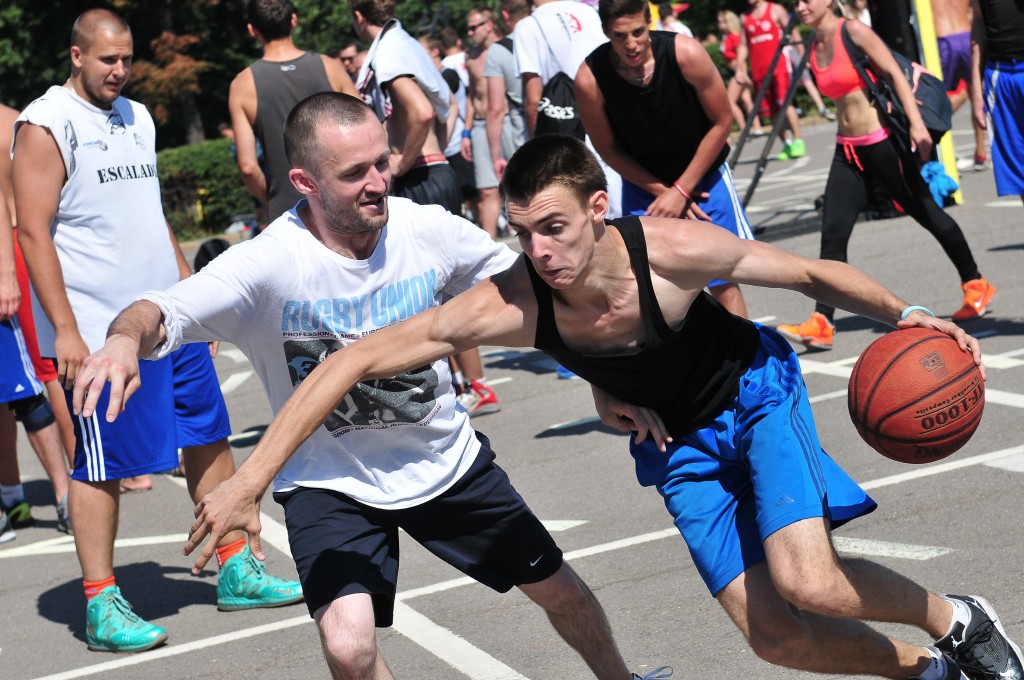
[{"x": 954, "y": 526}]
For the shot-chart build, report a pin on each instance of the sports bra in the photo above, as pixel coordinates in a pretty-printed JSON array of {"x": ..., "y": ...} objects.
[{"x": 839, "y": 78}]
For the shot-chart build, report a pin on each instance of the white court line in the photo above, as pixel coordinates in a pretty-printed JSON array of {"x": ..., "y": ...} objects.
[
  {"x": 449, "y": 647},
  {"x": 234, "y": 381},
  {"x": 232, "y": 353},
  {"x": 165, "y": 652},
  {"x": 763, "y": 319},
  {"x": 870, "y": 548},
  {"x": 828, "y": 395}
]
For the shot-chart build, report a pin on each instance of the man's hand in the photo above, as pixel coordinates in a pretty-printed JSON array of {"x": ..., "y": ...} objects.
[
  {"x": 671, "y": 203},
  {"x": 629, "y": 418},
  {"x": 71, "y": 351},
  {"x": 10, "y": 295},
  {"x": 116, "y": 362},
  {"x": 467, "y": 149},
  {"x": 232, "y": 505},
  {"x": 499, "y": 167},
  {"x": 967, "y": 343}
]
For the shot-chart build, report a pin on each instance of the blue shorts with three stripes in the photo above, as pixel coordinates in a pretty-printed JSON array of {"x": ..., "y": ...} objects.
[{"x": 758, "y": 467}]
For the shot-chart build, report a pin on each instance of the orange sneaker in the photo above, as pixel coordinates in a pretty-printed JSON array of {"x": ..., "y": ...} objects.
[
  {"x": 815, "y": 333},
  {"x": 978, "y": 294}
]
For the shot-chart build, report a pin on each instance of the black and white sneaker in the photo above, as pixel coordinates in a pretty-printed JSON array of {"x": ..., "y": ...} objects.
[
  {"x": 6, "y": 532},
  {"x": 981, "y": 648}
]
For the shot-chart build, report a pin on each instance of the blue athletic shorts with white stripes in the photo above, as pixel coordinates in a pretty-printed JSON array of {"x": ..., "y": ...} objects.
[
  {"x": 1004, "y": 101},
  {"x": 757, "y": 468},
  {"x": 17, "y": 375},
  {"x": 723, "y": 204},
  {"x": 140, "y": 441}
]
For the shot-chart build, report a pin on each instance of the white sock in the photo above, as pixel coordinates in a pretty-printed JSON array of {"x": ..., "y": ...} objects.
[
  {"x": 961, "y": 614},
  {"x": 457, "y": 378},
  {"x": 9, "y": 495},
  {"x": 936, "y": 670}
]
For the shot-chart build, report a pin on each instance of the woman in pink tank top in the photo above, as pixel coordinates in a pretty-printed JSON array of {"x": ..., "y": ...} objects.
[{"x": 864, "y": 154}]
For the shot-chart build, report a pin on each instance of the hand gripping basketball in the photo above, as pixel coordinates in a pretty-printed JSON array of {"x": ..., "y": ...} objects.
[{"x": 915, "y": 396}]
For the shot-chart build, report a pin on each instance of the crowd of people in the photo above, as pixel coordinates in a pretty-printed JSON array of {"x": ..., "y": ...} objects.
[{"x": 633, "y": 254}]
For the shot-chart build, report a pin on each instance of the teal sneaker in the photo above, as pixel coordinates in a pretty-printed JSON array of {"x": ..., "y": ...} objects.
[
  {"x": 245, "y": 584},
  {"x": 20, "y": 514},
  {"x": 112, "y": 626}
]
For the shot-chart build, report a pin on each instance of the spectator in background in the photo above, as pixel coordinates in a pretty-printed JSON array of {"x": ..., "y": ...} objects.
[
  {"x": 348, "y": 56},
  {"x": 763, "y": 27},
  {"x": 729, "y": 25},
  {"x": 953, "y": 34},
  {"x": 262, "y": 95},
  {"x": 668, "y": 20},
  {"x": 483, "y": 32},
  {"x": 997, "y": 32},
  {"x": 794, "y": 55},
  {"x": 460, "y": 162},
  {"x": 506, "y": 121},
  {"x": 858, "y": 9},
  {"x": 410, "y": 96}
]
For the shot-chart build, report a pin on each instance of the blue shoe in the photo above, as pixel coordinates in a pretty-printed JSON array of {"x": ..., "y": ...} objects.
[
  {"x": 662, "y": 673},
  {"x": 112, "y": 626},
  {"x": 245, "y": 584},
  {"x": 564, "y": 373},
  {"x": 20, "y": 514}
]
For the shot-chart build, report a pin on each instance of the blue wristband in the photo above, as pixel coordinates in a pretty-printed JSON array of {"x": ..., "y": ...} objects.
[
  {"x": 915, "y": 308},
  {"x": 466, "y": 134}
]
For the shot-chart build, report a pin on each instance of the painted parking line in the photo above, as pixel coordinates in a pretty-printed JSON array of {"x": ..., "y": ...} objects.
[{"x": 904, "y": 551}]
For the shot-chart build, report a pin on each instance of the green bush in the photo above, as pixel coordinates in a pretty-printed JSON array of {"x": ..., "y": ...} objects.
[{"x": 202, "y": 189}]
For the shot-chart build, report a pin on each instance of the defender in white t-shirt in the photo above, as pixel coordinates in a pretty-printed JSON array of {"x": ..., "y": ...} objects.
[{"x": 397, "y": 452}]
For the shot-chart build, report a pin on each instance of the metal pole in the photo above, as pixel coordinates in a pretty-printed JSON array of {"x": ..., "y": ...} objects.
[
  {"x": 780, "y": 115},
  {"x": 761, "y": 93}
]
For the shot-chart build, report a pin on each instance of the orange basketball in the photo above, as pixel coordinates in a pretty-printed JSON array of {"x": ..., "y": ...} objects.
[{"x": 915, "y": 396}]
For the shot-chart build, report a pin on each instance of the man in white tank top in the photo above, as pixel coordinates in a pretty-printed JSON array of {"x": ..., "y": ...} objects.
[{"x": 94, "y": 235}]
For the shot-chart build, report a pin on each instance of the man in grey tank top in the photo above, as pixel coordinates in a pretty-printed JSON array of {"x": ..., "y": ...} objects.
[{"x": 263, "y": 94}]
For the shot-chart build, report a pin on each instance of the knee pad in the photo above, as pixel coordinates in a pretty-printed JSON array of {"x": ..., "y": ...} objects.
[{"x": 35, "y": 413}]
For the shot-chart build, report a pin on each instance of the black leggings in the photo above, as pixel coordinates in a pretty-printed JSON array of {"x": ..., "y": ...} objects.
[{"x": 846, "y": 195}]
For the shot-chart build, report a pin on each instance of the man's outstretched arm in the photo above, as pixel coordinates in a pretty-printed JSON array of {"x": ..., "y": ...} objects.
[{"x": 493, "y": 312}]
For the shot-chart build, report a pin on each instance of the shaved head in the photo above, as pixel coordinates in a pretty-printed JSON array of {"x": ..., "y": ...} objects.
[{"x": 91, "y": 23}]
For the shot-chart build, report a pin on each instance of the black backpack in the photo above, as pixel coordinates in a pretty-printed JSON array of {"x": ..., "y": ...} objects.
[
  {"x": 557, "y": 113},
  {"x": 929, "y": 92}
]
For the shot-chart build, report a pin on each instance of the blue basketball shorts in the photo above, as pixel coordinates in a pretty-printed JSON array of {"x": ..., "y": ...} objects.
[
  {"x": 200, "y": 414},
  {"x": 723, "y": 204},
  {"x": 757, "y": 468},
  {"x": 1004, "y": 102},
  {"x": 17, "y": 375},
  {"x": 140, "y": 441}
]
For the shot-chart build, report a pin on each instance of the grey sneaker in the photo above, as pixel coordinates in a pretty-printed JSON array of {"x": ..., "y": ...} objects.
[
  {"x": 63, "y": 519},
  {"x": 6, "y": 532},
  {"x": 953, "y": 671},
  {"x": 981, "y": 648},
  {"x": 657, "y": 674}
]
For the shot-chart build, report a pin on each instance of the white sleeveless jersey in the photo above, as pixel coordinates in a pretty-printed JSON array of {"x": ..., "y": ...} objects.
[
  {"x": 288, "y": 302},
  {"x": 109, "y": 231}
]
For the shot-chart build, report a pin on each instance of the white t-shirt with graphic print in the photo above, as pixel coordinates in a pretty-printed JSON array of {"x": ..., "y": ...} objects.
[{"x": 287, "y": 302}]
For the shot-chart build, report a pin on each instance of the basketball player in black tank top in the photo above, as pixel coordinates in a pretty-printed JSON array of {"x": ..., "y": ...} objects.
[{"x": 608, "y": 299}]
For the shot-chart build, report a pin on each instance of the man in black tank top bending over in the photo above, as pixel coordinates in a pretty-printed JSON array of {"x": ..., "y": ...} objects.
[
  {"x": 657, "y": 112},
  {"x": 262, "y": 96},
  {"x": 722, "y": 425}
]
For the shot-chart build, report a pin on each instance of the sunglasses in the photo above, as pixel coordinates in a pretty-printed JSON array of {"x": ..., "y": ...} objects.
[
  {"x": 347, "y": 58},
  {"x": 472, "y": 27}
]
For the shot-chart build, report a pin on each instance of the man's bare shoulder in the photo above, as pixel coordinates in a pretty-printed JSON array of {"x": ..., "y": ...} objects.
[{"x": 337, "y": 75}]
